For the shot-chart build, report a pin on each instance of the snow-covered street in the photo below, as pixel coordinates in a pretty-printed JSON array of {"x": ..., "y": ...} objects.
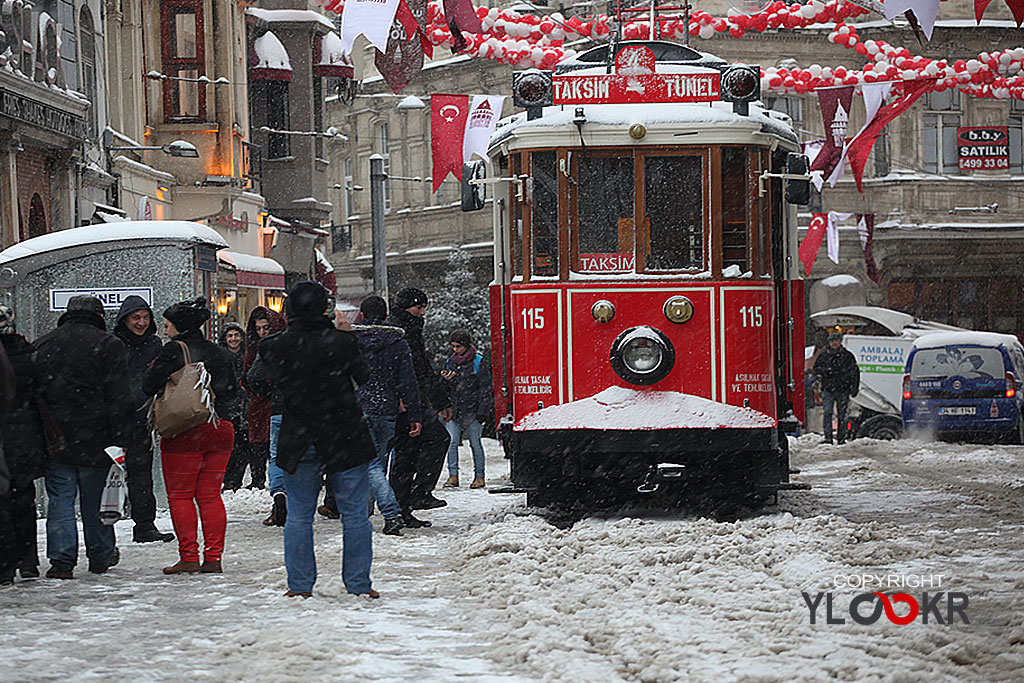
[{"x": 493, "y": 592}]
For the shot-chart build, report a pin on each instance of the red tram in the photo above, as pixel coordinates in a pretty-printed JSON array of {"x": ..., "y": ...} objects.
[{"x": 646, "y": 296}]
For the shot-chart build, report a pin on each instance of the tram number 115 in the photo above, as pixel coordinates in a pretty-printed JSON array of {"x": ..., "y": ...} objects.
[
  {"x": 533, "y": 318},
  {"x": 752, "y": 316}
]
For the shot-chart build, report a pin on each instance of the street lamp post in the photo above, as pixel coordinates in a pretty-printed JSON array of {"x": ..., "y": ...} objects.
[{"x": 379, "y": 244}]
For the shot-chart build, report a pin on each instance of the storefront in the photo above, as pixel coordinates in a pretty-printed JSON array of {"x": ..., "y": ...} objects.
[{"x": 245, "y": 282}]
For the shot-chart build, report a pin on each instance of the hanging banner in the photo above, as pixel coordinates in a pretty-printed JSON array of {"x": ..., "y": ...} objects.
[
  {"x": 448, "y": 116},
  {"x": 808, "y": 251},
  {"x": 866, "y": 230},
  {"x": 833, "y": 234},
  {"x": 835, "y": 113},
  {"x": 983, "y": 148},
  {"x": 483, "y": 117},
  {"x": 372, "y": 18}
]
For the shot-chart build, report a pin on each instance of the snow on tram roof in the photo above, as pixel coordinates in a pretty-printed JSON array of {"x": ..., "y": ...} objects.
[
  {"x": 772, "y": 122},
  {"x": 170, "y": 231}
]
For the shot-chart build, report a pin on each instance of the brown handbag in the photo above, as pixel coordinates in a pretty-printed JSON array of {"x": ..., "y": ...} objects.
[{"x": 186, "y": 401}]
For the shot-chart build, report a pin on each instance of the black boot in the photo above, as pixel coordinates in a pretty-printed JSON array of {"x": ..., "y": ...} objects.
[
  {"x": 150, "y": 535},
  {"x": 279, "y": 512},
  {"x": 393, "y": 526},
  {"x": 414, "y": 523}
]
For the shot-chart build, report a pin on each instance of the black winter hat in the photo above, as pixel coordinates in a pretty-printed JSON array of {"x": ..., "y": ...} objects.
[
  {"x": 306, "y": 298},
  {"x": 461, "y": 337},
  {"x": 409, "y": 297},
  {"x": 188, "y": 315},
  {"x": 84, "y": 302}
]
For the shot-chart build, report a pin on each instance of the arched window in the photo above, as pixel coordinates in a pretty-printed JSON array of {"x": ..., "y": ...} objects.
[
  {"x": 36, "y": 217},
  {"x": 87, "y": 59}
]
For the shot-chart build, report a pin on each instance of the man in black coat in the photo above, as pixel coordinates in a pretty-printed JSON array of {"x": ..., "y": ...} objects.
[
  {"x": 840, "y": 379},
  {"x": 8, "y": 544},
  {"x": 419, "y": 460},
  {"x": 137, "y": 330},
  {"x": 315, "y": 368},
  {"x": 85, "y": 381},
  {"x": 24, "y": 449}
]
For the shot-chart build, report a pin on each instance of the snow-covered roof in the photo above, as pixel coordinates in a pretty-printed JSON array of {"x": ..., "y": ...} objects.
[
  {"x": 941, "y": 339},
  {"x": 106, "y": 237},
  {"x": 621, "y": 408},
  {"x": 333, "y": 61},
  {"x": 250, "y": 263},
  {"x": 270, "y": 58},
  {"x": 897, "y": 322},
  {"x": 839, "y": 281},
  {"x": 272, "y": 16}
]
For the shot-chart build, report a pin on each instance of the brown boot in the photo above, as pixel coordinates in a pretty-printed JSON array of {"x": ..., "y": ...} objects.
[
  {"x": 211, "y": 567},
  {"x": 478, "y": 483},
  {"x": 452, "y": 483},
  {"x": 182, "y": 567}
]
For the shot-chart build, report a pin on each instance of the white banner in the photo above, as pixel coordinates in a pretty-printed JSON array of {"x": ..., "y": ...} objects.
[
  {"x": 832, "y": 233},
  {"x": 484, "y": 113},
  {"x": 372, "y": 18}
]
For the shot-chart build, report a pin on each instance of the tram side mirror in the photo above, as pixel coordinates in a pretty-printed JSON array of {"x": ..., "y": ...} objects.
[
  {"x": 798, "y": 190},
  {"x": 473, "y": 194}
]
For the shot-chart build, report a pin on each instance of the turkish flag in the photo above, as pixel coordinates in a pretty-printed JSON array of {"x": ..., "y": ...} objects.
[
  {"x": 860, "y": 147},
  {"x": 808, "y": 251},
  {"x": 448, "y": 115}
]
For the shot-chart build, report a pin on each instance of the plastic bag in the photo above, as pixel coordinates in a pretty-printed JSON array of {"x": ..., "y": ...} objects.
[{"x": 115, "y": 491}]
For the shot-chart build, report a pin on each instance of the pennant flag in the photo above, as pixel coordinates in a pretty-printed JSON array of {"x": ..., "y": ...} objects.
[
  {"x": 924, "y": 10},
  {"x": 866, "y": 229},
  {"x": 835, "y": 112},
  {"x": 979, "y": 8},
  {"x": 874, "y": 95},
  {"x": 833, "y": 234},
  {"x": 860, "y": 147},
  {"x": 403, "y": 58},
  {"x": 372, "y": 18},
  {"x": 419, "y": 10},
  {"x": 461, "y": 16},
  {"x": 1016, "y": 7},
  {"x": 483, "y": 117},
  {"x": 811, "y": 149},
  {"x": 448, "y": 116},
  {"x": 808, "y": 251}
]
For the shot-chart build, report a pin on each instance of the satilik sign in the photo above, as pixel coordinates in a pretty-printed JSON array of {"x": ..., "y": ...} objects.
[
  {"x": 983, "y": 148},
  {"x": 635, "y": 80}
]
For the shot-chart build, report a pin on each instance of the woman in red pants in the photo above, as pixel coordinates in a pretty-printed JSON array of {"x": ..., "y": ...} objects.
[{"x": 194, "y": 461}]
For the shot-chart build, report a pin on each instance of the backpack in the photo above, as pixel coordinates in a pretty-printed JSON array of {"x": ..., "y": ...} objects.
[{"x": 186, "y": 401}]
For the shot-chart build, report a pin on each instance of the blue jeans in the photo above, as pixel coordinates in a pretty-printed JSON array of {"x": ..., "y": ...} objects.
[
  {"x": 382, "y": 429},
  {"x": 473, "y": 429},
  {"x": 351, "y": 489},
  {"x": 64, "y": 483},
  {"x": 275, "y": 473}
]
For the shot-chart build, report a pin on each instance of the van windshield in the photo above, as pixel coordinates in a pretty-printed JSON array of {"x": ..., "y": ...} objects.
[{"x": 969, "y": 362}]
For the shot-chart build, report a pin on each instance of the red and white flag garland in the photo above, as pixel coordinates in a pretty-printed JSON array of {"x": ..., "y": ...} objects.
[{"x": 460, "y": 126}]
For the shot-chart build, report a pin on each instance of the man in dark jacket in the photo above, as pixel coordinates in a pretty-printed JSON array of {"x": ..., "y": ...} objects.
[
  {"x": 392, "y": 384},
  {"x": 315, "y": 368},
  {"x": 85, "y": 381},
  {"x": 418, "y": 461},
  {"x": 232, "y": 338},
  {"x": 136, "y": 329},
  {"x": 840, "y": 379},
  {"x": 24, "y": 448},
  {"x": 8, "y": 544}
]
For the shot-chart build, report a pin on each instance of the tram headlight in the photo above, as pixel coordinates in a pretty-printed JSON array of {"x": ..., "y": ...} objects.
[{"x": 642, "y": 355}]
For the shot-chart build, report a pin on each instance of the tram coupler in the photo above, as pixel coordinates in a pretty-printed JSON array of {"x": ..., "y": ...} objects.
[{"x": 659, "y": 473}]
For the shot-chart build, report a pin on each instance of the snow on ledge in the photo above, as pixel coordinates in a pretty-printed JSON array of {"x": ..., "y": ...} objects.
[{"x": 621, "y": 408}]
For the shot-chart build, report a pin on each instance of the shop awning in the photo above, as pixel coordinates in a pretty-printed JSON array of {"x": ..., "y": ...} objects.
[{"x": 254, "y": 271}]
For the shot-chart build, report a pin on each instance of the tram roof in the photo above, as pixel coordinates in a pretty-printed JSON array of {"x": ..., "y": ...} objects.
[{"x": 670, "y": 123}]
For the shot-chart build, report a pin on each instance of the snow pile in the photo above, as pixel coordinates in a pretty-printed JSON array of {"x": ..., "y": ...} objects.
[{"x": 619, "y": 408}]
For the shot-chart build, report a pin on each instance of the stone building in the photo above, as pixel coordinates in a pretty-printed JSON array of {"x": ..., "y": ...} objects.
[{"x": 948, "y": 242}]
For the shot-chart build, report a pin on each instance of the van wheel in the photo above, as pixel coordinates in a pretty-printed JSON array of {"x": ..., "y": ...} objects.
[{"x": 883, "y": 427}]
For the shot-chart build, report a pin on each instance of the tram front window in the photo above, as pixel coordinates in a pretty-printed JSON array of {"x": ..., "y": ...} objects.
[
  {"x": 605, "y": 209},
  {"x": 674, "y": 212},
  {"x": 544, "y": 216}
]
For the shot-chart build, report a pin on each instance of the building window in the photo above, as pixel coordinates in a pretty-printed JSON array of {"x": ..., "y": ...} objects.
[
  {"x": 87, "y": 58},
  {"x": 792, "y": 107},
  {"x": 318, "y": 117},
  {"x": 381, "y": 144},
  {"x": 278, "y": 144},
  {"x": 1016, "y": 130},
  {"x": 181, "y": 45},
  {"x": 880, "y": 154},
  {"x": 941, "y": 118}
]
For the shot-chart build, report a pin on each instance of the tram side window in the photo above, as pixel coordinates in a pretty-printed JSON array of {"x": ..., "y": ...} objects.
[
  {"x": 674, "y": 207},
  {"x": 544, "y": 213},
  {"x": 734, "y": 208},
  {"x": 605, "y": 208},
  {"x": 516, "y": 217}
]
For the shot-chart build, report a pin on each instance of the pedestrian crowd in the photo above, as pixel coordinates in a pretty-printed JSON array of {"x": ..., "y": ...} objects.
[{"x": 302, "y": 402}]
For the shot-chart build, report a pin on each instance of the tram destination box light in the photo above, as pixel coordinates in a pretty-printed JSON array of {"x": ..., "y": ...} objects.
[
  {"x": 741, "y": 85},
  {"x": 532, "y": 90}
]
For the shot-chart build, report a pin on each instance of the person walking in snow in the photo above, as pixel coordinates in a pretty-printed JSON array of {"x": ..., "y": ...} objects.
[
  {"x": 85, "y": 381},
  {"x": 468, "y": 375},
  {"x": 840, "y": 379},
  {"x": 243, "y": 455},
  {"x": 391, "y": 385},
  {"x": 419, "y": 460},
  {"x": 24, "y": 449},
  {"x": 137, "y": 331},
  {"x": 194, "y": 461},
  {"x": 315, "y": 368},
  {"x": 262, "y": 323}
]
